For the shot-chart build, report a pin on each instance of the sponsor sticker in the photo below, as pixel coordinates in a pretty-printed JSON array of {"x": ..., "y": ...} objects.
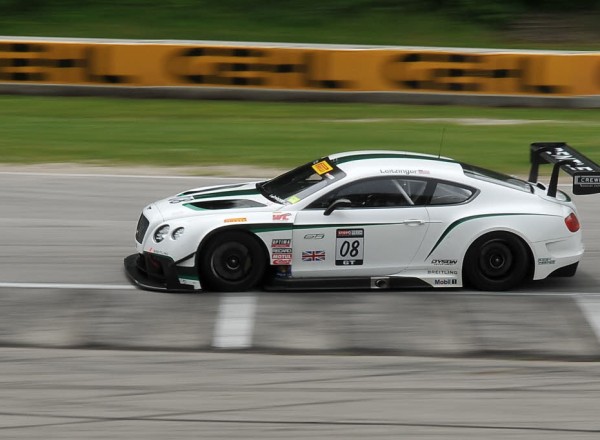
[
  {"x": 313, "y": 255},
  {"x": 560, "y": 153},
  {"x": 404, "y": 172},
  {"x": 444, "y": 262},
  {"x": 236, "y": 220},
  {"x": 281, "y": 250},
  {"x": 282, "y": 256},
  {"x": 544, "y": 261},
  {"x": 282, "y": 216},
  {"x": 322, "y": 167},
  {"x": 586, "y": 183},
  {"x": 445, "y": 282},
  {"x": 442, "y": 272},
  {"x": 349, "y": 247}
]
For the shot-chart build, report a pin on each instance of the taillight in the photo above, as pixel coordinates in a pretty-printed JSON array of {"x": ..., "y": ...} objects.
[{"x": 572, "y": 222}]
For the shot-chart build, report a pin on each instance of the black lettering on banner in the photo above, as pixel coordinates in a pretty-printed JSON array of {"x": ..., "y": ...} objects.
[
  {"x": 216, "y": 66},
  {"x": 349, "y": 247},
  {"x": 39, "y": 62},
  {"x": 462, "y": 73},
  {"x": 22, "y": 62},
  {"x": 248, "y": 67}
]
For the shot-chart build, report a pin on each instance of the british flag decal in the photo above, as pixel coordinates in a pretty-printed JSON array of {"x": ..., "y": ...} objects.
[{"x": 313, "y": 255}]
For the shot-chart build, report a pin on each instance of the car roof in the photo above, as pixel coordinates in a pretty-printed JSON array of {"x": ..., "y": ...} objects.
[{"x": 379, "y": 162}]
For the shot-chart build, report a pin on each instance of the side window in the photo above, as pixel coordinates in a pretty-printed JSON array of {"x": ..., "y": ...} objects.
[
  {"x": 415, "y": 189},
  {"x": 376, "y": 193},
  {"x": 447, "y": 194}
]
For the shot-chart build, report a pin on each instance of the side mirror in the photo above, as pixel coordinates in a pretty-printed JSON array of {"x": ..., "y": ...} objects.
[{"x": 336, "y": 204}]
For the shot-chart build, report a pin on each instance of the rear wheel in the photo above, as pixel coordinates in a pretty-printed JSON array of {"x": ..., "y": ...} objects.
[
  {"x": 232, "y": 261},
  {"x": 497, "y": 261}
]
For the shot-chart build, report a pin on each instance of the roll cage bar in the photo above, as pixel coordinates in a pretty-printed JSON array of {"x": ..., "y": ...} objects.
[{"x": 585, "y": 172}]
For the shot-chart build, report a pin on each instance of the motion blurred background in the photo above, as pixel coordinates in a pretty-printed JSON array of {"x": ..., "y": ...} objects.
[
  {"x": 60, "y": 231},
  {"x": 549, "y": 24}
]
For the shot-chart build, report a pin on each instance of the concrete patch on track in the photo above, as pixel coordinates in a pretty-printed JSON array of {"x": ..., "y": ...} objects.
[{"x": 400, "y": 323}]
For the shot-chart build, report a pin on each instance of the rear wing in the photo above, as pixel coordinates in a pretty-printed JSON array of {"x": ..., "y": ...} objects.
[{"x": 585, "y": 172}]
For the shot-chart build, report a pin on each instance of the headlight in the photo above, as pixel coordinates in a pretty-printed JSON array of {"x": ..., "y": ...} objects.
[
  {"x": 178, "y": 232},
  {"x": 161, "y": 233}
]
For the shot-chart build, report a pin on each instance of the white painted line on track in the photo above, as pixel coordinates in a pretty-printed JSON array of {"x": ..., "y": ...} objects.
[
  {"x": 68, "y": 286},
  {"x": 589, "y": 304},
  {"x": 235, "y": 322}
]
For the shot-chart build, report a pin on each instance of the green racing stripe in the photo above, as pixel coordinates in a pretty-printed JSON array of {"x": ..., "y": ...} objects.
[
  {"x": 398, "y": 155},
  {"x": 474, "y": 217}
]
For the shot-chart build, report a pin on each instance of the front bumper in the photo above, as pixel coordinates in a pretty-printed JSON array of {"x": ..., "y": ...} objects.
[{"x": 156, "y": 272}]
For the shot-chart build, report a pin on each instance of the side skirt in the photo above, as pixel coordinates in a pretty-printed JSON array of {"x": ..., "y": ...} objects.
[{"x": 348, "y": 283}]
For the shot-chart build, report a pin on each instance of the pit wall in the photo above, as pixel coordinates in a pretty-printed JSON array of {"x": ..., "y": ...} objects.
[
  {"x": 264, "y": 71},
  {"x": 551, "y": 326}
]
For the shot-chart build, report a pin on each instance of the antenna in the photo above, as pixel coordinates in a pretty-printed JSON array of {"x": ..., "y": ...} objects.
[{"x": 441, "y": 142}]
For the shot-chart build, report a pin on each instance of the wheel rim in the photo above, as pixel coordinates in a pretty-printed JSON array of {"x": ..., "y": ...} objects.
[
  {"x": 231, "y": 261},
  {"x": 496, "y": 259}
]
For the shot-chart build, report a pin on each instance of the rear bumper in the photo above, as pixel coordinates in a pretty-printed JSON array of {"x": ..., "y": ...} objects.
[{"x": 156, "y": 272}]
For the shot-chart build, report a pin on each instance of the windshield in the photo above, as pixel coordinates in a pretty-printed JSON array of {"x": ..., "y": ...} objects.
[
  {"x": 299, "y": 183},
  {"x": 494, "y": 177}
]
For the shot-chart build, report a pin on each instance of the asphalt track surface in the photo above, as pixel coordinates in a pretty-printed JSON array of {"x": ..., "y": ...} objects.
[{"x": 74, "y": 230}]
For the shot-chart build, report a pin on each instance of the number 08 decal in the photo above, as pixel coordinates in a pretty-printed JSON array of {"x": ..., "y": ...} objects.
[{"x": 349, "y": 247}]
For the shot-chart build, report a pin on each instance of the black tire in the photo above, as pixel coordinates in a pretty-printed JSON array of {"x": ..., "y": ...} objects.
[
  {"x": 496, "y": 261},
  {"x": 232, "y": 261}
]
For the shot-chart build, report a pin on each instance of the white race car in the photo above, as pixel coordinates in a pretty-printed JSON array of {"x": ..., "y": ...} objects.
[{"x": 368, "y": 220}]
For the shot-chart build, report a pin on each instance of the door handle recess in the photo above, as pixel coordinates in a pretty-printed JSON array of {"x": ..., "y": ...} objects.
[{"x": 414, "y": 222}]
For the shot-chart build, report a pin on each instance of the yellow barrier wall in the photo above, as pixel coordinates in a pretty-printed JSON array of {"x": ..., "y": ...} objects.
[{"x": 386, "y": 70}]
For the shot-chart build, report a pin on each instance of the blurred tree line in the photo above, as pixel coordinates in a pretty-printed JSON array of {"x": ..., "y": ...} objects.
[{"x": 492, "y": 12}]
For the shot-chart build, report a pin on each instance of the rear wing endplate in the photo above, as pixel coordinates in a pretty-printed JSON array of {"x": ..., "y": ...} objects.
[{"x": 585, "y": 172}]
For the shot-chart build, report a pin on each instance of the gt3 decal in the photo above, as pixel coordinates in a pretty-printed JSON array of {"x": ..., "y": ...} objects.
[
  {"x": 314, "y": 236},
  {"x": 349, "y": 247}
]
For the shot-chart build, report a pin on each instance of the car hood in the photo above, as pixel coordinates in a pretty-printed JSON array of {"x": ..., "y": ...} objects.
[{"x": 215, "y": 200}]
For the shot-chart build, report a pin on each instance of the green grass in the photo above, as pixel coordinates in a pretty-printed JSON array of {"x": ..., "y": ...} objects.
[
  {"x": 308, "y": 21},
  {"x": 163, "y": 132},
  {"x": 168, "y": 132}
]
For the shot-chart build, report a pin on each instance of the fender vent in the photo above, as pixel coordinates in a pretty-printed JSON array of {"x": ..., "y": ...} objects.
[{"x": 226, "y": 204}]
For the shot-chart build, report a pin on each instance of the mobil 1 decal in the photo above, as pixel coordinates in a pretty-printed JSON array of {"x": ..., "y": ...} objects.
[{"x": 349, "y": 247}]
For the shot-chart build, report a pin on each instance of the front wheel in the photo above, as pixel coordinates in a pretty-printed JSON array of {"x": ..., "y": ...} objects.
[
  {"x": 231, "y": 261},
  {"x": 497, "y": 261}
]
